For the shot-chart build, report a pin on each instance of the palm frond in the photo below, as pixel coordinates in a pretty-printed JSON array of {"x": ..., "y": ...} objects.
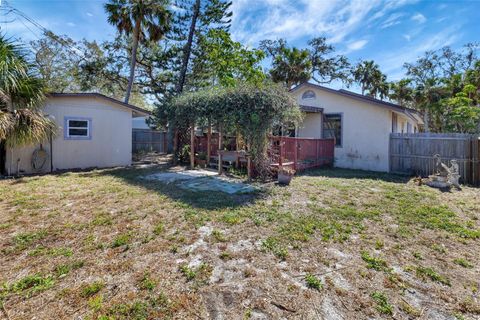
[
  {"x": 6, "y": 124},
  {"x": 25, "y": 126}
]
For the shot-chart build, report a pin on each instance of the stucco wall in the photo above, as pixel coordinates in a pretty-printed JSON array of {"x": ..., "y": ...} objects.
[
  {"x": 110, "y": 144},
  {"x": 402, "y": 124},
  {"x": 311, "y": 126},
  {"x": 365, "y": 129}
]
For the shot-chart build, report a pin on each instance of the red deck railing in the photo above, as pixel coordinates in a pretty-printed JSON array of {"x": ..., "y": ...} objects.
[
  {"x": 297, "y": 153},
  {"x": 301, "y": 153}
]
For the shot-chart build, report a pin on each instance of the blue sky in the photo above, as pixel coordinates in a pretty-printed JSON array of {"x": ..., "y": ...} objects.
[{"x": 390, "y": 32}]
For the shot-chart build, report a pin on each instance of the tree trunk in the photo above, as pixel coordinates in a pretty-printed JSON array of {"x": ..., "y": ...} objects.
[
  {"x": 192, "y": 146},
  {"x": 133, "y": 61},
  {"x": 188, "y": 47},
  {"x": 426, "y": 121}
]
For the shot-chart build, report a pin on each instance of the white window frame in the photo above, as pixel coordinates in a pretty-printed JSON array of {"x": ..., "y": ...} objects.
[{"x": 67, "y": 134}]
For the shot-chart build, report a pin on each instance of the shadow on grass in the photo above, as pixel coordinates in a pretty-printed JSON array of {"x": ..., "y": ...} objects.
[
  {"x": 356, "y": 174},
  {"x": 210, "y": 200}
]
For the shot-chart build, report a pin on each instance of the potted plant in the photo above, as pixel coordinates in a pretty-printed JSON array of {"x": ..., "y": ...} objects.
[
  {"x": 285, "y": 175},
  {"x": 201, "y": 159}
]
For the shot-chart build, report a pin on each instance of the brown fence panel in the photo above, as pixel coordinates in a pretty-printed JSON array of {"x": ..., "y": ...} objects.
[
  {"x": 145, "y": 140},
  {"x": 413, "y": 153}
]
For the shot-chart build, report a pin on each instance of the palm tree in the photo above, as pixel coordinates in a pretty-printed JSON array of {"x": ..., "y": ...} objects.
[
  {"x": 144, "y": 20},
  {"x": 364, "y": 73},
  {"x": 379, "y": 86},
  {"x": 291, "y": 66},
  {"x": 21, "y": 92}
]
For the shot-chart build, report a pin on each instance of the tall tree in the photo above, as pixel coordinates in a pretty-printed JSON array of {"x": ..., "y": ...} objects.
[
  {"x": 202, "y": 20},
  {"x": 324, "y": 66},
  {"x": 144, "y": 20},
  {"x": 401, "y": 92},
  {"x": 225, "y": 62},
  {"x": 187, "y": 49},
  {"x": 379, "y": 87},
  {"x": 425, "y": 75},
  {"x": 291, "y": 66},
  {"x": 21, "y": 92},
  {"x": 366, "y": 73}
]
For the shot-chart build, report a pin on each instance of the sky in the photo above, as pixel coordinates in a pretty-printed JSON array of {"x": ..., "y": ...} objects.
[{"x": 390, "y": 32}]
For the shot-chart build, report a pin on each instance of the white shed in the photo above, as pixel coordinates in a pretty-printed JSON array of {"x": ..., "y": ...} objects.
[
  {"x": 360, "y": 124},
  {"x": 94, "y": 131}
]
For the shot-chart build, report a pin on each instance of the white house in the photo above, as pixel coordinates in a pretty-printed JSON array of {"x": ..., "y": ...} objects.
[
  {"x": 94, "y": 131},
  {"x": 360, "y": 124}
]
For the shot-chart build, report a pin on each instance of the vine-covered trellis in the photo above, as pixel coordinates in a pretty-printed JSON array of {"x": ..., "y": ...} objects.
[{"x": 246, "y": 110}]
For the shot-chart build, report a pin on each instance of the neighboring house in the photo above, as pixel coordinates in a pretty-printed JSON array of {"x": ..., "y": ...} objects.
[
  {"x": 360, "y": 124},
  {"x": 93, "y": 131}
]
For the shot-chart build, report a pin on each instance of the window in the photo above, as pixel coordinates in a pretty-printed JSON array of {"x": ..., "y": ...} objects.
[
  {"x": 332, "y": 128},
  {"x": 309, "y": 94},
  {"x": 77, "y": 128}
]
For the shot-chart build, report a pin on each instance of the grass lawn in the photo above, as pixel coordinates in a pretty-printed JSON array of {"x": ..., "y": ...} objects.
[{"x": 335, "y": 244}]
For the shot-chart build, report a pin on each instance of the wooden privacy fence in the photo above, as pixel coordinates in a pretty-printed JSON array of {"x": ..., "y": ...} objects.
[
  {"x": 301, "y": 153},
  {"x": 145, "y": 140},
  {"x": 413, "y": 153}
]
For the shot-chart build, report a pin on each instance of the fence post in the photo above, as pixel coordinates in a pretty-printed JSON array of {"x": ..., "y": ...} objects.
[
  {"x": 209, "y": 143},
  {"x": 280, "y": 154},
  {"x": 295, "y": 154},
  {"x": 220, "y": 162},
  {"x": 192, "y": 146}
]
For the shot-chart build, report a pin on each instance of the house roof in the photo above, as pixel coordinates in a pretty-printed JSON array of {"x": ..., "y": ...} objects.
[
  {"x": 137, "y": 110},
  {"x": 412, "y": 113}
]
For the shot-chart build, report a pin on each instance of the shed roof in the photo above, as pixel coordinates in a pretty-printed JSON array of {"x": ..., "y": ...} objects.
[{"x": 136, "y": 110}]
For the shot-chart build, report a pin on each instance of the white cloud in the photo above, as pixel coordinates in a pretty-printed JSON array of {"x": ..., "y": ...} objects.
[
  {"x": 418, "y": 17},
  {"x": 89, "y": 14},
  {"x": 392, "y": 62},
  {"x": 255, "y": 20},
  {"x": 357, "y": 45},
  {"x": 392, "y": 20},
  {"x": 71, "y": 24},
  {"x": 407, "y": 37}
]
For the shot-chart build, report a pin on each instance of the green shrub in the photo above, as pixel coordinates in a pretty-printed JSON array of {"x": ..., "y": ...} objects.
[
  {"x": 313, "y": 282},
  {"x": 92, "y": 289},
  {"x": 382, "y": 303}
]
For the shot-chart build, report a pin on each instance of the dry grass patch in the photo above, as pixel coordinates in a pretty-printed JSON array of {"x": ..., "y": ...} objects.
[{"x": 107, "y": 244}]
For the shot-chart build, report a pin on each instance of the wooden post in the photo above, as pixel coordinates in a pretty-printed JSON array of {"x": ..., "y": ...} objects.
[
  {"x": 295, "y": 154},
  {"x": 175, "y": 145},
  {"x": 192, "y": 146},
  {"x": 220, "y": 143},
  {"x": 249, "y": 163},
  {"x": 280, "y": 154},
  {"x": 237, "y": 146},
  {"x": 209, "y": 143}
]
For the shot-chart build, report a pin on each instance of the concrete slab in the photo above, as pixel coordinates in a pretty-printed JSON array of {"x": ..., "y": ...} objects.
[
  {"x": 202, "y": 180},
  {"x": 221, "y": 184},
  {"x": 174, "y": 176}
]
